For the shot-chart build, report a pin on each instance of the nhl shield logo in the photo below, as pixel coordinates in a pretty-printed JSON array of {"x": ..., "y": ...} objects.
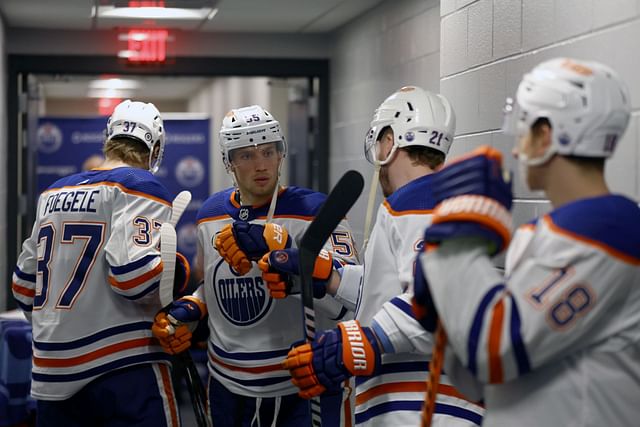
[
  {"x": 243, "y": 214},
  {"x": 242, "y": 300}
]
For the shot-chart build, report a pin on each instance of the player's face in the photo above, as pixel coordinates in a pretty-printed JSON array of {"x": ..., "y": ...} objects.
[{"x": 256, "y": 171}]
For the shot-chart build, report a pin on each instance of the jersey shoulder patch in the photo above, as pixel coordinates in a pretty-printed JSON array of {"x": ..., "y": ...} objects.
[
  {"x": 611, "y": 222},
  {"x": 414, "y": 197}
]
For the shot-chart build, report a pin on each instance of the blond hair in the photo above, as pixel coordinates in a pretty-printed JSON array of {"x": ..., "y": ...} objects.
[{"x": 127, "y": 150}]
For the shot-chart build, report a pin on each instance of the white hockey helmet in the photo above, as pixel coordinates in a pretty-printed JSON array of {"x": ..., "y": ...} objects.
[
  {"x": 141, "y": 122},
  {"x": 417, "y": 117},
  {"x": 246, "y": 127},
  {"x": 586, "y": 103}
]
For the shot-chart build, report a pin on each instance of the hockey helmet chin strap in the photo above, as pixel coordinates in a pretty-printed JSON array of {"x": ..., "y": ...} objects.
[
  {"x": 372, "y": 194},
  {"x": 274, "y": 197}
]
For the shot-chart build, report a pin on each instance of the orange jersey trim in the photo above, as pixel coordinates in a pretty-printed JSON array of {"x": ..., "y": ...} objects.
[
  {"x": 168, "y": 389},
  {"x": 128, "y": 284},
  {"x": 30, "y": 293},
  {"x": 496, "y": 375},
  {"x": 212, "y": 218},
  {"x": 104, "y": 351},
  {"x": 114, "y": 184},
  {"x": 406, "y": 387},
  {"x": 485, "y": 220},
  {"x": 251, "y": 370},
  {"x": 591, "y": 242},
  {"x": 393, "y": 212}
]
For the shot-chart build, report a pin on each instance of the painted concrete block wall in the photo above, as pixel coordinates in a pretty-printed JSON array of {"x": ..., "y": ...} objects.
[
  {"x": 486, "y": 46},
  {"x": 393, "y": 45}
]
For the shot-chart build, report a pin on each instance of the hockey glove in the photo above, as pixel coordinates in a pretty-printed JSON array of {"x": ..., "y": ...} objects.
[
  {"x": 278, "y": 267},
  {"x": 242, "y": 242},
  {"x": 332, "y": 357},
  {"x": 422, "y": 304},
  {"x": 474, "y": 199},
  {"x": 174, "y": 327},
  {"x": 181, "y": 276}
]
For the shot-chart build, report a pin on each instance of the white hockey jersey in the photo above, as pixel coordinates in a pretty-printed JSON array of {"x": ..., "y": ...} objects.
[
  {"x": 89, "y": 275},
  {"x": 250, "y": 332},
  {"x": 384, "y": 285},
  {"x": 557, "y": 341}
]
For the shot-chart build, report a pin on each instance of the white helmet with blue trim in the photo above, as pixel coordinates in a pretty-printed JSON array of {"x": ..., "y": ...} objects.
[
  {"x": 249, "y": 127},
  {"x": 141, "y": 122},
  {"x": 586, "y": 104},
  {"x": 417, "y": 117}
]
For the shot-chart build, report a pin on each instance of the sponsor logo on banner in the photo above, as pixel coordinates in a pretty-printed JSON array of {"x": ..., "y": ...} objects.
[
  {"x": 242, "y": 300},
  {"x": 189, "y": 172},
  {"x": 49, "y": 138}
]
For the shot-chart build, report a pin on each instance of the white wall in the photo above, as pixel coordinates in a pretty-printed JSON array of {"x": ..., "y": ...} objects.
[
  {"x": 486, "y": 46},
  {"x": 393, "y": 45}
]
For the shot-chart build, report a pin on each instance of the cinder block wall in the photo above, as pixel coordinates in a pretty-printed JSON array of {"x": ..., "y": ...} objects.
[
  {"x": 486, "y": 46},
  {"x": 393, "y": 45}
]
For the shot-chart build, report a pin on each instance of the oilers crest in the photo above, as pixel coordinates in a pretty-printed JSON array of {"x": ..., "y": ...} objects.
[{"x": 242, "y": 300}]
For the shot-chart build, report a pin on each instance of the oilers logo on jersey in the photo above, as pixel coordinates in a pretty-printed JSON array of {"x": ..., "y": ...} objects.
[{"x": 242, "y": 300}]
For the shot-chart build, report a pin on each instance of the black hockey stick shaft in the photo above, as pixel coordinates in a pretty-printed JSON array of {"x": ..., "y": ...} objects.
[
  {"x": 335, "y": 208},
  {"x": 197, "y": 392}
]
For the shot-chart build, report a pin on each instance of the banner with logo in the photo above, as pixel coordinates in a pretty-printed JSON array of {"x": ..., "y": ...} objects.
[{"x": 66, "y": 144}]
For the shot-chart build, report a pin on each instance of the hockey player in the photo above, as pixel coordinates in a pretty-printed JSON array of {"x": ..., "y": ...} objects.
[
  {"x": 251, "y": 331},
  {"x": 88, "y": 278},
  {"x": 410, "y": 135},
  {"x": 556, "y": 340}
]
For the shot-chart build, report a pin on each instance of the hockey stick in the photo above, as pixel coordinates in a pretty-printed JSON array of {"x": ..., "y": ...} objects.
[
  {"x": 179, "y": 205},
  {"x": 168, "y": 242},
  {"x": 435, "y": 369},
  {"x": 335, "y": 208},
  {"x": 194, "y": 385}
]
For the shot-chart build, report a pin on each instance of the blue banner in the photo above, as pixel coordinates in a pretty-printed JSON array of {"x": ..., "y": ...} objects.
[{"x": 65, "y": 144}]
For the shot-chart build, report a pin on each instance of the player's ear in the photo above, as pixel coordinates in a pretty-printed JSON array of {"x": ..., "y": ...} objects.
[{"x": 541, "y": 138}]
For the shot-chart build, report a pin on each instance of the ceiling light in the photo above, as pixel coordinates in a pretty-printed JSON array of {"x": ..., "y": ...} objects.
[
  {"x": 156, "y": 13},
  {"x": 114, "y": 83},
  {"x": 109, "y": 93}
]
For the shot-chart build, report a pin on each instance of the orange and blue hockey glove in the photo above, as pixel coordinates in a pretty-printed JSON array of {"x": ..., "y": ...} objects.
[
  {"x": 278, "y": 267},
  {"x": 473, "y": 195},
  {"x": 332, "y": 357},
  {"x": 242, "y": 242},
  {"x": 173, "y": 328}
]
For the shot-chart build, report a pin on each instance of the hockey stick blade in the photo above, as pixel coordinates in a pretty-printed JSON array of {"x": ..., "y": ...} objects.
[
  {"x": 340, "y": 200},
  {"x": 168, "y": 242},
  {"x": 168, "y": 256},
  {"x": 179, "y": 205},
  {"x": 335, "y": 208}
]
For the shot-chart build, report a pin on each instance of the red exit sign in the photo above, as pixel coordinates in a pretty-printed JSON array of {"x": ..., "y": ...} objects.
[{"x": 147, "y": 45}]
